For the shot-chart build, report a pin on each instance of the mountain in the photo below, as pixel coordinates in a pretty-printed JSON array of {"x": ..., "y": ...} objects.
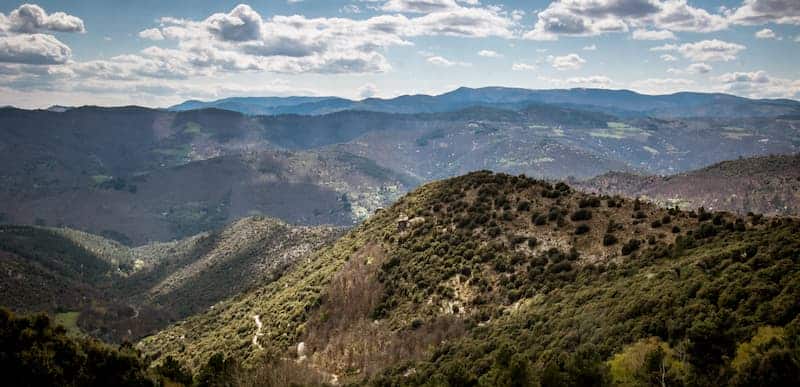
[
  {"x": 259, "y": 105},
  {"x": 491, "y": 279},
  {"x": 617, "y": 102},
  {"x": 139, "y": 175},
  {"x": 767, "y": 185},
  {"x": 115, "y": 292}
]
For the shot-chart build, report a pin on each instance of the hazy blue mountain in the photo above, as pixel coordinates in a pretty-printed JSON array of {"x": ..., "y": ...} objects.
[{"x": 619, "y": 102}]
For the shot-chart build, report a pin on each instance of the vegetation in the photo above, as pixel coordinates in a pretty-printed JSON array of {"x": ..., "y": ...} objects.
[
  {"x": 491, "y": 279},
  {"x": 487, "y": 284}
]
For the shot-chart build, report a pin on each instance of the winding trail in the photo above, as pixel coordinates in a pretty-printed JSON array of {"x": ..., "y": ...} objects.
[{"x": 258, "y": 334}]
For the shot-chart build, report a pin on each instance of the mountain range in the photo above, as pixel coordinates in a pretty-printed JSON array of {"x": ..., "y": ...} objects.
[
  {"x": 124, "y": 169},
  {"x": 624, "y": 103},
  {"x": 487, "y": 236}
]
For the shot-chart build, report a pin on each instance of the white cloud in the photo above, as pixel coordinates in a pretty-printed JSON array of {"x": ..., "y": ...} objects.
[
  {"x": 766, "y": 33},
  {"x": 590, "y": 81},
  {"x": 694, "y": 68},
  {"x": 754, "y": 12},
  {"x": 759, "y": 84},
  {"x": 37, "y": 49},
  {"x": 350, "y": 8},
  {"x": 489, "y": 54},
  {"x": 590, "y": 48},
  {"x": 444, "y": 62},
  {"x": 518, "y": 66},
  {"x": 369, "y": 90},
  {"x": 668, "y": 58},
  {"x": 661, "y": 85},
  {"x": 31, "y": 18},
  {"x": 594, "y": 17},
  {"x": 242, "y": 40},
  {"x": 705, "y": 50},
  {"x": 241, "y": 24},
  {"x": 699, "y": 68},
  {"x": 642, "y": 34},
  {"x": 419, "y": 6},
  {"x": 151, "y": 34},
  {"x": 566, "y": 62}
]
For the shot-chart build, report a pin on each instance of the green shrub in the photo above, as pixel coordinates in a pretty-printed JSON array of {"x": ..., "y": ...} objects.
[
  {"x": 631, "y": 246},
  {"x": 581, "y": 214}
]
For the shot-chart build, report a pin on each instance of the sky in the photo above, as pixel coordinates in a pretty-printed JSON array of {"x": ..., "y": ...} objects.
[{"x": 159, "y": 53}]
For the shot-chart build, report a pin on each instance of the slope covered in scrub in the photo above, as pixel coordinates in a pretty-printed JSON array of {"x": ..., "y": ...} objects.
[{"x": 489, "y": 279}]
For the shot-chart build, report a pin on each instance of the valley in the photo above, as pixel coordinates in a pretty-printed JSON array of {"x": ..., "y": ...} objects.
[
  {"x": 123, "y": 169},
  {"x": 481, "y": 237}
]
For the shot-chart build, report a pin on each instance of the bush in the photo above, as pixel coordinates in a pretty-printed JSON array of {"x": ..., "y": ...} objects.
[
  {"x": 581, "y": 229},
  {"x": 540, "y": 220},
  {"x": 592, "y": 201},
  {"x": 655, "y": 224},
  {"x": 582, "y": 214},
  {"x": 631, "y": 246},
  {"x": 609, "y": 239}
]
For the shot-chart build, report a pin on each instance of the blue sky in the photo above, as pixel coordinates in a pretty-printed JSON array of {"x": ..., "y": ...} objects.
[{"x": 156, "y": 53}]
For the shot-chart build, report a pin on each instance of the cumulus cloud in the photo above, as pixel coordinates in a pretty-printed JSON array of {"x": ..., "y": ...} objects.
[
  {"x": 661, "y": 85},
  {"x": 566, "y": 62},
  {"x": 759, "y": 84},
  {"x": 668, "y": 58},
  {"x": 151, "y": 34},
  {"x": 642, "y": 34},
  {"x": 489, "y": 54},
  {"x": 419, "y": 6},
  {"x": 241, "y": 24},
  {"x": 36, "y": 49},
  {"x": 242, "y": 40},
  {"x": 766, "y": 33},
  {"x": 590, "y": 81},
  {"x": 444, "y": 62},
  {"x": 31, "y": 19},
  {"x": 590, "y": 47},
  {"x": 754, "y": 12},
  {"x": 705, "y": 50},
  {"x": 594, "y": 17},
  {"x": 369, "y": 90},
  {"x": 519, "y": 66},
  {"x": 694, "y": 68}
]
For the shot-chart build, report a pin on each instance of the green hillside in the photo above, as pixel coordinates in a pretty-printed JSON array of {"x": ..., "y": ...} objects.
[{"x": 491, "y": 279}]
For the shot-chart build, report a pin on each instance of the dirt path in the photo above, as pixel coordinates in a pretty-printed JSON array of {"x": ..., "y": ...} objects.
[{"x": 258, "y": 334}]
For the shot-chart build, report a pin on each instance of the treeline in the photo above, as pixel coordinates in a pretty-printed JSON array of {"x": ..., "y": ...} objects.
[{"x": 35, "y": 352}]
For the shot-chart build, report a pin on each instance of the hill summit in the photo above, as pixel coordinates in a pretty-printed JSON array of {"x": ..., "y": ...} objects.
[{"x": 489, "y": 279}]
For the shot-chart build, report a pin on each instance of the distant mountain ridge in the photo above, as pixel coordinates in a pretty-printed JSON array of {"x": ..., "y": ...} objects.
[
  {"x": 620, "y": 102},
  {"x": 767, "y": 185}
]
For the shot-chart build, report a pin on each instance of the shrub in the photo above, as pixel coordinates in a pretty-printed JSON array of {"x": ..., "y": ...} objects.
[
  {"x": 540, "y": 220},
  {"x": 631, "y": 246},
  {"x": 609, "y": 239},
  {"x": 581, "y": 229},
  {"x": 582, "y": 214},
  {"x": 655, "y": 224},
  {"x": 592, "y": 201},
  {"x": 706, "y": 231},
  {"x": 524, "y": 206}
]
